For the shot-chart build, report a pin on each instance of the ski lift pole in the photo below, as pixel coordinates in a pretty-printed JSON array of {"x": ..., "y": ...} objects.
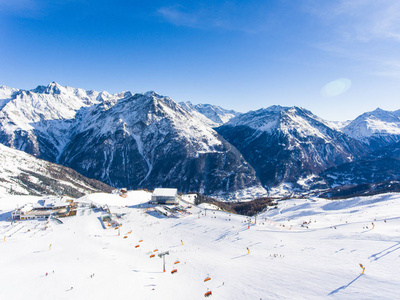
[{"x": 162, "y": 254}]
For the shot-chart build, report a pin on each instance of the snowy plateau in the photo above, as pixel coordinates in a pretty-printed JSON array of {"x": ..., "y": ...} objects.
[{"x": 303, "y": 249}]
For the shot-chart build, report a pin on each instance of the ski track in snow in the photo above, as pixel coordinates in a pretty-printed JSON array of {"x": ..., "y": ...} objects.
[{"x": 287, "y": 260}]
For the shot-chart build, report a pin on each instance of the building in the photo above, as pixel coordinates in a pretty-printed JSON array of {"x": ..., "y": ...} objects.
[
  {"x": 165, "y": 196},
  {"x": 43, "y": 209}
]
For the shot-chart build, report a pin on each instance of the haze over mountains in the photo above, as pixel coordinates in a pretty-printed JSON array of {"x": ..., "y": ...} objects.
[{"x": 148, "y": 141}]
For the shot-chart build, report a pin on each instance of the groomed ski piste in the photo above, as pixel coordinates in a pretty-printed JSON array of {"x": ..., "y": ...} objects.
[{"x": 303, "y": 249}]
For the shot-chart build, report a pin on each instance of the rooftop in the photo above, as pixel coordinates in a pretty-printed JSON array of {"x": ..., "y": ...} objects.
[
  {"x": 50, "y": 203},
  {"x": 165, "y": 192}
]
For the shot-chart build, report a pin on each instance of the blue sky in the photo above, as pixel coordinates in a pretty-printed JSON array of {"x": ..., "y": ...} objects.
[{"x": 336, "y": 58}]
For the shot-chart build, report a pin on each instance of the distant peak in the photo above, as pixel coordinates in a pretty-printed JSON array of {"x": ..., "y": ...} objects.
[
  {"x": 54, "y": 84},
  {"x": 378, "y": 112},
  {"x": 152, "y": 93},
  {"x": 51, "y": 88}
]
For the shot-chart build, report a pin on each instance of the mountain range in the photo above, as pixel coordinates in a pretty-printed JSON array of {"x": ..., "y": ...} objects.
[{"x": 146, "y": 140}]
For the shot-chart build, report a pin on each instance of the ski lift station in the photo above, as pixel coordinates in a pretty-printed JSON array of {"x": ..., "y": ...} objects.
[
  {"x": 43, "y": 209},
  {"x": 165, "y": 196}
]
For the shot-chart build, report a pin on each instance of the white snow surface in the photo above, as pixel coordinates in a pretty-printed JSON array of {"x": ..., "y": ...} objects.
[
  {"x": 286, "y": 260},
  {"x": 377, "y": 122},
  {"x": 6, "y": 94},
  {"x": 14, "y": 163}
]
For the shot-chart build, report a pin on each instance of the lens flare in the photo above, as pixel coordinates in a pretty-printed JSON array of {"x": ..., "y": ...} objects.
[{"x": 336, "y": 87}]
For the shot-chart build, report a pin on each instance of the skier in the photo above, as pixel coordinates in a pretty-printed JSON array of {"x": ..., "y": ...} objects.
[{"x": 363, "y": 268}]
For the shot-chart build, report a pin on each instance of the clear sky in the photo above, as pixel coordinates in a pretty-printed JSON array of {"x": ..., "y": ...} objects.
[{"x": 336, "y": 58}]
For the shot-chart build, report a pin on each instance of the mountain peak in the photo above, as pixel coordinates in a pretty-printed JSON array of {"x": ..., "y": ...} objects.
[
  {"x": 153, "y": 94},
  {"x": 214, "y": 115},
  {"x": 54, "y": 88},
  {"x": 374, "y": 125}
]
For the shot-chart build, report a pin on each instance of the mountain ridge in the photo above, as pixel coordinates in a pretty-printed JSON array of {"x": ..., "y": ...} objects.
[
  {"x": 151, "y": 140},
  {"x": 23, "y": 174}
]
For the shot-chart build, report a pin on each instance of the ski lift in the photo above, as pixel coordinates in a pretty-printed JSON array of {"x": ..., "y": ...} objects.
[
  {"x": 140, "y": 241},
  {"x": 137, "y": 246},
  {"x": 208, "y": 294},
  {"x": 174, "y": 271},
  {"x": 125, "y": 237},
  {"x": 155, "y": 250},
  {"x": 151, "y": 256},
  {"x": 207, "y": 278},
  {"x": 177, "y": 262}
]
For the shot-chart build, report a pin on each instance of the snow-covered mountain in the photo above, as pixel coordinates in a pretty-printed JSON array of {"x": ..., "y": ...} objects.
[
  {"x": 150, "y": 141},
  {"x": 144, "y": 140},
  {"x": 39, "y": 121},
  {"x": 377, "y": 128},
  {"x": 289, "y": 144},
  {"x": 6, "y": 94},
  {"x": 215, "y": 115},
  {"x": 24, "y": 174},
  {"x": 382, "y": 165}
]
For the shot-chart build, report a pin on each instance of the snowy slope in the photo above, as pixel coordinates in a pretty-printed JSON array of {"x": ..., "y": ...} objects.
[
  {"x": 287, "y": 260},
  {"x": 6, "y": 94},
  {"x": 21, "y": 173}
]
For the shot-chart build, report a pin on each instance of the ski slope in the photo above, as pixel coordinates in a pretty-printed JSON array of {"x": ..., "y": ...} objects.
[{"x": 303, "y": 249}]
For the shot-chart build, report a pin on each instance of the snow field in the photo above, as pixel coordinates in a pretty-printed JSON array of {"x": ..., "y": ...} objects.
[{"x": 285, "y": 262}]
